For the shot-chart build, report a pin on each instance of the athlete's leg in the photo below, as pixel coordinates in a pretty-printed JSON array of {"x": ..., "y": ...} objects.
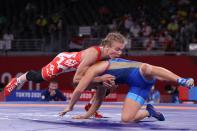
[
  {"x": 34, "y": 76},
  {"x": 22, "y": 78},
  {"x": 130, "y": 111},
  {"x": 94, "y": 97},
  {"x": 150, "y": 72},
  {"x": 87, "y": 106}
]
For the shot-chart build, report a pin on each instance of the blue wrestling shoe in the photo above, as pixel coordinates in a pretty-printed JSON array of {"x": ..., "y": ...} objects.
[
  {"x": 153, "y": 113},
  {"x": 186, "y": 82}
]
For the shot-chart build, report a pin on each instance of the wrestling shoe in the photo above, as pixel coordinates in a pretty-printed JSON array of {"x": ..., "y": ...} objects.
[
  {"x": 153, "y": 113},
  {"x": 10, "y": 86},
  {"x": 186, "y": 82},
  {"x": 96, "y": 115},
  {"x": 87, "y": 106}
]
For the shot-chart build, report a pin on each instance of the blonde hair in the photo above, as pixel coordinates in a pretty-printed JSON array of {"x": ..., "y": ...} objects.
[{"x": 113, "y": 36}]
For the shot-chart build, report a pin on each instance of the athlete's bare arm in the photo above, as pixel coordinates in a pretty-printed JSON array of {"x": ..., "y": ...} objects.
[
  {"x": 93, "y": 71},
  {"x": 89, "y": 57},
  {"x": 100, "y": 95}
]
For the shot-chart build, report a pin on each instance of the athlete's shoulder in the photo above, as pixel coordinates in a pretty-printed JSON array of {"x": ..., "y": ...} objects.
[{"x": 93, "y": 52}]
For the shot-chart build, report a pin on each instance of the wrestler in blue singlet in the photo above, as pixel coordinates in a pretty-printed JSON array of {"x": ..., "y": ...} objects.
[{"x": 127, "y": 72}]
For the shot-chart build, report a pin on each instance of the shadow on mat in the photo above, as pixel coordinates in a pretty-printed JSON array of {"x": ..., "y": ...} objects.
[{"x": 107, "y": 124}]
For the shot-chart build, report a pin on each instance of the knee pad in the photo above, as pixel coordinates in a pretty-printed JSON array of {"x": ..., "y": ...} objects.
[
  {"x": 146, "y": 68},
  {"x": 34, "y": 76}
]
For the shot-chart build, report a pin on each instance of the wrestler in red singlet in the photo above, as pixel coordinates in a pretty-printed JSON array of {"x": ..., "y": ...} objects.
[{"x": 64, "y": 62}]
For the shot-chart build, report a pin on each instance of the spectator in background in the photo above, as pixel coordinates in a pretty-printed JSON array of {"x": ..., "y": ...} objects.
[
  {"x": 146, "y": 30},
  {"x": 41, "y": 26},
  {"x": 6, "y": 42},
  {"x": 135, "y": 30},
  {"x": 173, "y": 90},
  {"x": 173, "y": 27},
  {"x": 113, "y": 26},
  {"x": 149, "y": 43},
  {"x": 128, "y": 23},
  {"x": 175, "y": 95},
  {"x": 52, "y": 93},
  {"x": 154, "y": 96},
  {"x": 1, "y": 86},
  {"x": 8, "y": 37},
  {"x": 166, "y": 41}
]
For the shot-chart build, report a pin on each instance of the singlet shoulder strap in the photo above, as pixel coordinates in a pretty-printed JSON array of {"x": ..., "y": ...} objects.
[{"x": 99, "y": 52}]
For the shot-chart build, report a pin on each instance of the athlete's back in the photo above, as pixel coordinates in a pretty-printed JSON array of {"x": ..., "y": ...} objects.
[
  {"x": 66, "y": 62},
  {"x": 121, "y": 69}
]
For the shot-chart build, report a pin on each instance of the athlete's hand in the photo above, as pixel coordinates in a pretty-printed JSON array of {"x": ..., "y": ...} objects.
[
  {"x": 113, "y": 88},
  {"x": 79, "y": 117},
  {"x": 109, "y": 84},
  {"x": 65, "y": 111},
  {"x": 108, "y": 80}
]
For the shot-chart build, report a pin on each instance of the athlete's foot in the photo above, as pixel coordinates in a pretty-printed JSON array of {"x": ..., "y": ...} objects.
[
  {"x": 153, "y": 113},
  {"x": 186, "y": 82},
  {"x": 97, "y": 115},
  {"x": 10, "y": 87},
  {"x": 87, "y": 106}
]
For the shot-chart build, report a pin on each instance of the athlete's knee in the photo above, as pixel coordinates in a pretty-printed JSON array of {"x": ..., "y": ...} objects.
[
  {"x": 146, "y": 68},
  {"x": 34, "y": 76},
  {"x": 126, "y": 119}
]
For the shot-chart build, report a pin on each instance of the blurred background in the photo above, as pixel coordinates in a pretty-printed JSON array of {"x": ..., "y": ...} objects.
[{"x": 160, "y": 32}]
